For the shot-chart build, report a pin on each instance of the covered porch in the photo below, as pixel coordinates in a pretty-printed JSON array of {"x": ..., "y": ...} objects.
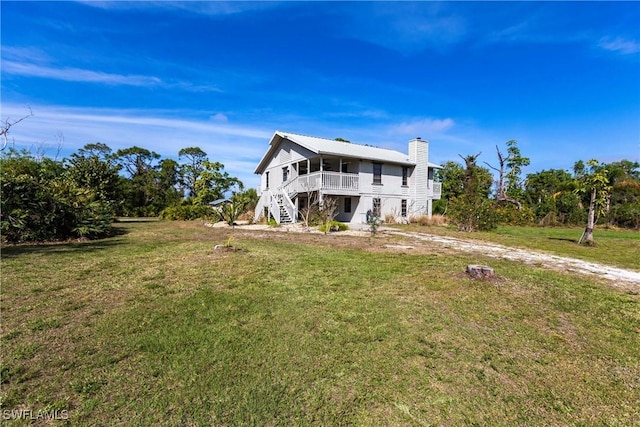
[
  {"x": 327, "y": 175},
  {"x": 327, "y": 183}
]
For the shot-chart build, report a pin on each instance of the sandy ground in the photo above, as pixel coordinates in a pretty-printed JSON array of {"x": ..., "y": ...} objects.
[{"x": 394, "y": 240}]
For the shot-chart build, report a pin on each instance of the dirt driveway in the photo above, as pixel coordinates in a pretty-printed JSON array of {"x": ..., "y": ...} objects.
[
  {"x": 390, "y": 239},
  {"x": 618, "y": 277}
]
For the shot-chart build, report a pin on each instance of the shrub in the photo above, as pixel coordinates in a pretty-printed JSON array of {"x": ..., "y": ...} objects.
[
  {"x": 511, "y": 215},
  {"x": 186, "y": 212},
  {"x": 39, "y": 204},
  {"x": 479, "y": 216},
  {"x": 426, "y": 220},
  {"x": 333, "y": 226}
]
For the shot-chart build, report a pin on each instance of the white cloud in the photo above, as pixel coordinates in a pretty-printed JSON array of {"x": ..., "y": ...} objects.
[
  {"x": 238, "y": 147},
  {"x": 405, "y": 27},
  {"x": 422, "y": 127},
  {"x": 77, "y": 74},
  {"x": 32, "y": 62},
  {"x": 619, "y": 45},
  {"x": 211, "y": 8},
  {"x": 220, "y": 118}
]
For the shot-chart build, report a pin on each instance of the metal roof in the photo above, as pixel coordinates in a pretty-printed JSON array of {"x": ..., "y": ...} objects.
[{"x": 331, "y": 147}]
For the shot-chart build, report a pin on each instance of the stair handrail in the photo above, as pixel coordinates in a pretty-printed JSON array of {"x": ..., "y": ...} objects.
[
  {"x": 290, "y": 187},
  {"x": 274, "y": 208},
  {"x": 263, "y": 201},
  {"x": 290, "y": 207}
]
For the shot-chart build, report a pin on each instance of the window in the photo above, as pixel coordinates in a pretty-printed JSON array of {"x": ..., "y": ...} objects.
[
  {"x": 344, "y": 168},
  {"x": 347, "y": 205},
  {"x": 405, "y": 175},
  {"x": 403, "y": 208},
  {"x": 285, "y": 174},
  {"x": 377, "y": 173},
  {"x": 267, "y": 179},
  {"x": 376, "y": 208}
]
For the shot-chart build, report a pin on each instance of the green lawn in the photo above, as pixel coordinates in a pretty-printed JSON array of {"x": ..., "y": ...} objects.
[
  {"x": 619, "y": 248},
  {"x": 154, "y": 326}
]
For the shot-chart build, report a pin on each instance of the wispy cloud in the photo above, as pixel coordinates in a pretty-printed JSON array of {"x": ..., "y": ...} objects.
[
  {"x": 421, "y": 127},
  {"x": 77, "y": 74},
  {"x": 619, "y": 45},
  {"x": 405, "y": 27},
  {"x": 211, "y": 8},
  {"x": 80, "y": 75},
  {"x": 238, "y": 146}
]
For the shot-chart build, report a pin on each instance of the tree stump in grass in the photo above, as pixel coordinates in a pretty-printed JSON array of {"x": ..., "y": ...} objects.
[{"x": 480, "y": 271}]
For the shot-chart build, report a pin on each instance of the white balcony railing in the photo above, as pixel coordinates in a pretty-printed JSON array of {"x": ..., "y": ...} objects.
[{"x": 348, "y": 183}]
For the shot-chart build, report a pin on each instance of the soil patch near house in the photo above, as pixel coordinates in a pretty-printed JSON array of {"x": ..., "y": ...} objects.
[{"x": 421, "y": 243}]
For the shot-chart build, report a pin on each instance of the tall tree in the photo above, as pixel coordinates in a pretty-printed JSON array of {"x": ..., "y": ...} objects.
[
  {"x": 137, "y": 161},
  {"x": 592, "y": 179},
  {"x": 191, "y": 169},
  {"x": 472, "y": 210},
  {"x": 213, "y": 183},
  {"x": 623, "y": 175},
  {"x": 168, "y": 178},
  {"x": 92, "y": 167},
  {"x": 141, "y": 166},
  {"x": 509, "y": 182}
]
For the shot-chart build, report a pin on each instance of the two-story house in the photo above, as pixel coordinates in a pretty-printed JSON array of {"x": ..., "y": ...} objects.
[{"x": 297, "y": 170}]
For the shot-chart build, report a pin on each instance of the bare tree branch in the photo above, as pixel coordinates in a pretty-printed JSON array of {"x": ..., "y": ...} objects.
[{"x": 6, "y": 126}]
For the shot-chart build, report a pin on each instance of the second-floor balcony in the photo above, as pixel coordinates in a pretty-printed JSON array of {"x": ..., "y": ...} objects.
[
  {"x": 337, "y": 183},
  {"x": 328, "y": 182}
]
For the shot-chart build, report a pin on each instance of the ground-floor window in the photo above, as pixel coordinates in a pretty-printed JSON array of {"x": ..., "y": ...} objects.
[
  {"x": 347, "y": 205},
  {"x": 376, "y": 207},
  {"x": 403, "y": 208}
]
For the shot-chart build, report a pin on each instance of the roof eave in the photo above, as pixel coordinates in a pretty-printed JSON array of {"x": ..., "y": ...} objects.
[{"x": 272, "y": 146}]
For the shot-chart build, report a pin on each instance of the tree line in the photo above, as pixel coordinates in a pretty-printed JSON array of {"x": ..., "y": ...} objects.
[
  {"x": 592, "y": 193},
  {"x": 46, "y": 199}
]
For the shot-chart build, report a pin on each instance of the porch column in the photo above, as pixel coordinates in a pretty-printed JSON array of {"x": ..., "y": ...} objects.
[{"x": 321, "y": 178}]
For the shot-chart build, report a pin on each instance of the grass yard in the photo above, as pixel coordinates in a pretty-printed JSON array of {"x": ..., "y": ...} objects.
[
  {"x": 155, "y": 327},
  {"x": 619, "y": 248}
]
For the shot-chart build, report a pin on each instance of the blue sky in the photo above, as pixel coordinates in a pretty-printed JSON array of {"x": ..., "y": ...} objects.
[{"x": 562, "y": 78}]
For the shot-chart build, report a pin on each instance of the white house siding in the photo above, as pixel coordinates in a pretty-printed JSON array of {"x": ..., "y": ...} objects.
[
  {"x": 348, "y": 216},
  {"x": 390, "y": 191},
  {"x": 419, "y": 154},
  {"x": 289, "y": 153}
]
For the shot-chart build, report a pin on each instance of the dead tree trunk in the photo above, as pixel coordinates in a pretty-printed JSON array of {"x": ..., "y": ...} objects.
[{"x": 502, "y": 194}]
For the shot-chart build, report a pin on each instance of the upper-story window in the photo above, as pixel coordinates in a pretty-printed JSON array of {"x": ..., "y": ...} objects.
[
  {"x": 377, "y": 173},
  {"x": 285, "y": 174},
  {"x": 405, "y": 175}
]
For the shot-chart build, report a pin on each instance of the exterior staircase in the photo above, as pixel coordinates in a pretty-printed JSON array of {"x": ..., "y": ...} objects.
[
  {"x": 285, "y": 217},
  {"x": 278, "y": 205}
]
